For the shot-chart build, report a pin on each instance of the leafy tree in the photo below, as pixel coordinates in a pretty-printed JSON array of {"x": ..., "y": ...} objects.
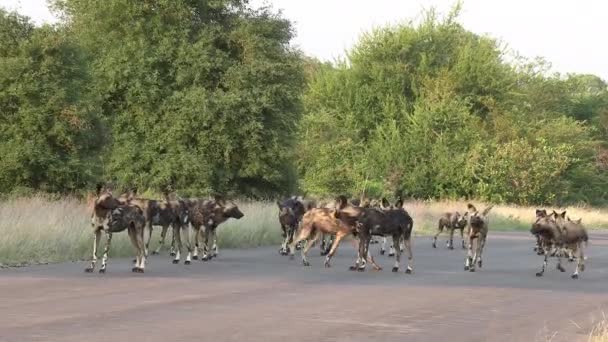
[
  {"x": 201, "y": 94},
  {"x": 434, "y": 111},
  {"x": 49, "y": 133}
]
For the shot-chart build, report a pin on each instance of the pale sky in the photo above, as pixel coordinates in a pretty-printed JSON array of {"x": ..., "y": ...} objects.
[{"x": 571, "y": 34}]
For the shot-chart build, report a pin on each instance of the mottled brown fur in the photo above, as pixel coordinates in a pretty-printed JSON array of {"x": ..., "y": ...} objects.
[
  {"x": 111, "y": 215},
  {"x": 477, "y": 234},
  {"x": 451, "y": 221}
]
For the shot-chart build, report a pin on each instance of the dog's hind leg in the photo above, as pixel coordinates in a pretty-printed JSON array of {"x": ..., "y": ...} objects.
[
  {"x": 482, "y": 244},
  {"x": 303, "y": 234},
  {"x": 469, "y": 256},
  {"x": 147, "y": 236},
  {"x": 542, "y": 271},
  {"x": 106, "y": 252},
  {"x": 308, "y": 246},
  {"x": 177, "y": 238},
  {"x": 451, "y": 240},
  {"x": 580, "y": 265},
  {"x": 410, "y": 255},
  {"x": 334, "y": 246},
  {"x": 133, "y": 237},
  {"x": 96, "y": 239},
  {"x": 396, "y": 239},
  {"x": 393, "y": 246},
  {"x": 462, "y": 238},
  {"x": 214, "y": 247},
  {"x": 142, "y": 254},
  {"x": 477, "y": 256},
  {"x": 383, "y": 246},
  {"x": 161, "y": 243},
  {"x": 190, "y": 242},
  {"x": 172, "y": 252}
]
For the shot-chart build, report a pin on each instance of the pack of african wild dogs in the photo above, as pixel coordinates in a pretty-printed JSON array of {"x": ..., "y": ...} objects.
[{"x": 305, "y": 222}]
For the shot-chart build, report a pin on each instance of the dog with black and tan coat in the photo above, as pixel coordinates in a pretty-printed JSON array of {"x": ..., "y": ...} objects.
[
  {"x": 477, "y": 232},
  {"x": 111, "y": 215}
]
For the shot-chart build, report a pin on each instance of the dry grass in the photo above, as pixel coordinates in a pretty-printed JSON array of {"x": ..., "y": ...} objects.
[
  {"x": 502, "y": 217},
  {"x": 37, "y": 229},
  {"x": 599, "y": 333}
]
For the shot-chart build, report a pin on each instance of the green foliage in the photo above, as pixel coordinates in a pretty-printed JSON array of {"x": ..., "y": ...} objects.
[
  {"x": 208, "y": 96},
  {"x": 48, "y": 131},
  {"x": 433, "y": 111},
  {"x": 202, "y": 94}
]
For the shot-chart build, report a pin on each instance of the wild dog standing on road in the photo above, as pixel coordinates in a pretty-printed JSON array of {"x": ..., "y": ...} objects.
[
  {"x": 383, "y": 204},
  {"x": 549, "y": 238},
  {"x": 172, "y": 213},
  {"x": 112, "y": 216},
  {"x": 540, "y": 213},
  {"x": 477, "y": 233},
  {"x": 388, "y": 221},
  {"x": 573, "y": 234},
  {"x": 218, "y": 212},
  {"x": 319, "y": 221},
  {"x": 156, "y": 213},
  {"x": 326, "y": 239},
  {"x": 451, "y": 221},
  {"x": 291, "y": 211}
]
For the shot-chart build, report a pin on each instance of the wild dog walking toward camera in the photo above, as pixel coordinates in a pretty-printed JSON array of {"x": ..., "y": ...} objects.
[
  {"x": 573, "y": 234},
  {"x": 477, "y": 233},
  {"x": 391, "y": 221},
  {"x": 451, "y": 221},
  {"x": 540, "y": 213},
  {"x": 113, "y": 216},
  {"x": 291, "y": 212},
  {"x": 549, "y": 237}
]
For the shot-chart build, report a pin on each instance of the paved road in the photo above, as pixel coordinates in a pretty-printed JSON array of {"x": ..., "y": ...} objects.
[{"x": 257, "y": 295}]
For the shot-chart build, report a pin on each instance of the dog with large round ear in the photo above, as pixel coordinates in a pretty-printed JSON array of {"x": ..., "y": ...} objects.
[
  {"x": 341, "y": 202},
  {"x": 98, "y": 189},
  {"x": 541, "y": 213},
  {"x": 399, "y": 203},
  {"x": 384, "y": 204}
]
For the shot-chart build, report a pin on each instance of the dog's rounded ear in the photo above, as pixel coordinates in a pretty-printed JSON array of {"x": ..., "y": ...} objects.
[
  {"x": 385, "y": 203},
  {"x": 219, "y": 199},
  {"x": 399, "y": 203},
  {"x": 341, "y": 202},
  {"x": 471, "y": 207},
  {"x": 98, "y": 189},
  {"x": 563, "y": 214}
]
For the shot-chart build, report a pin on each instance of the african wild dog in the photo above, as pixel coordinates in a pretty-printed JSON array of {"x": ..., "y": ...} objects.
[
  {"x": 291, "y": 211},
  {"x": 573, "y": 234},
  {"x": 451, "y": 221},
  {"x": 549, "y": 238},
  {"x": 540, "y": 213},
  {"x": 110, "y": 215},
  {"x": 215, "y": 213},
  {"x": 172, "y": 213},
  {"x": 388, "y": 221},
  {"x": 477, "y": 233},
  {"x": 326, "y": 239},
  {"x": 319, "y": 221},
  {"x": 383, "y": 204},
  {"x": 157, "y": 213}
]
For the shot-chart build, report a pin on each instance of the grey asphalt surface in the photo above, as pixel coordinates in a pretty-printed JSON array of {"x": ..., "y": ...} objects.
[{"x": 258, "y": 295}]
